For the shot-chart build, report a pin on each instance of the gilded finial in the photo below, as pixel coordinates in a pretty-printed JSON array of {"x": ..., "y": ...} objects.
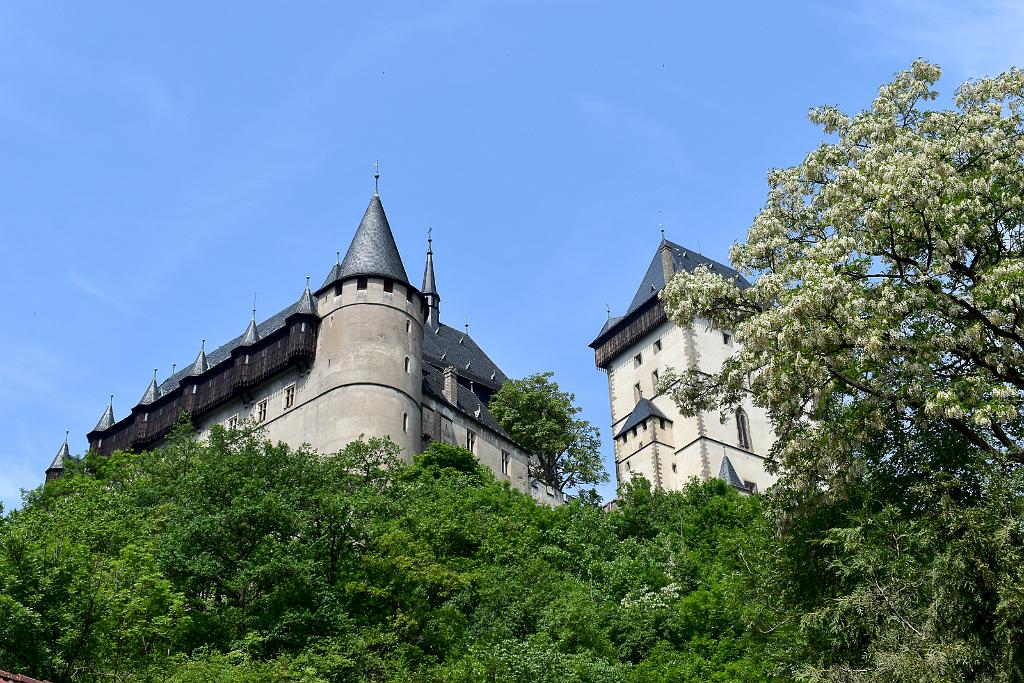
[{"x": 376, "y": 178}]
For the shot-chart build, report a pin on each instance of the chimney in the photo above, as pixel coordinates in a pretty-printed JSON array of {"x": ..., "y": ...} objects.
[
  {"x": 667, "y": 266},
  {"x": 451, "y": 385}
]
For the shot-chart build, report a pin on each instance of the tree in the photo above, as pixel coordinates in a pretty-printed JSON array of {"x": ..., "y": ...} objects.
[
  {"x": 542, "y": 419},
  {"x": 888, "y": 272},
  {"x": 884, "y": 335}
]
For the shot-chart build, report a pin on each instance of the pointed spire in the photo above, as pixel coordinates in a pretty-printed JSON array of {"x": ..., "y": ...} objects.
[
  {"x": 252, "y": 335},
  {"x": 62, "y": 453},
  {"x": 201, "y": 365},
  {"x": 152, "y": 391},
  {"x": 306, "y": 304},
  {"x": 107, "y": 420},
  {"x": 373, "y": 250},
  {"x": 727, "y": 473},
  {"x": 429, "y": 288}
]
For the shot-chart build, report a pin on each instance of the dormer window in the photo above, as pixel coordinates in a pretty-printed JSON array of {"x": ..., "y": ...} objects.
[{"x": 361, "y": 283}]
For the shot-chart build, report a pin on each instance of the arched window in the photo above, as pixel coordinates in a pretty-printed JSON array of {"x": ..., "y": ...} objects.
[
  {"x": 405, "y": 422},
  {"x": 743, "y": 428}
]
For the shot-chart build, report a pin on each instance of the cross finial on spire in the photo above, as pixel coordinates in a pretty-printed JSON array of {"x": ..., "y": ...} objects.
[
  {"x": 662, "y": 228},
  {"x": 111, "y": 400},
  {"x": 254, "y": 306},
  {"x": 467, "y": 325},
  {"x": 307, "y": 282},
  {"x": 376, "y": 178},
  {"x": 202, "y": 345},
  {"x": 609, "y": 309},
  {"x": 154, "y": 373}
]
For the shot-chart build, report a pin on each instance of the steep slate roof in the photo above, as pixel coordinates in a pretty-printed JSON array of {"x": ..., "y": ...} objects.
[
  {"x": 643, "y": 410},
  {"x": 62, "y": 454},
  {"x": 727, "y": 473},
  {"x": 682, "y": 259},
  {"x": 107, "y": 419},
  {"x": 429, "y": 284},
  {"x": 251, "y": 334},
  {"x": 469, "y": 404},
  {"x": 373, "y": 250},
  {"x": 654, "y": 279},
  {"x": 444, "y": 341},
  {"x": 152, "y": 392},
  {"x": 306, "y": 305}
]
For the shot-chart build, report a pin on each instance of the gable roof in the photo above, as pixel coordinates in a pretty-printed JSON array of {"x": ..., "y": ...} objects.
[
  {"x": 468, "y": 403},
  {"x": 643, "y": 410},
  {"x": 467, "y": 357},
  {"x": 654, "y": 279}
]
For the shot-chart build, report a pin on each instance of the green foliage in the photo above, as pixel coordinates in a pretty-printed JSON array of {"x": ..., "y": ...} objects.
[
  {"x": 542, "y": 418},
  {"x": 235, "y": 559}
]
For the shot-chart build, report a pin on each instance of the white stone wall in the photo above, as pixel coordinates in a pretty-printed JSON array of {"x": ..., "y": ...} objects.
[{"x": 699, "y": 442}]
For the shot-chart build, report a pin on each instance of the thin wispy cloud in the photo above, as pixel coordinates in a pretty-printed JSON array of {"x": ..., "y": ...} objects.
[
  {"x": 80, "y": 283},
  {"x": 975, "y": 37}
]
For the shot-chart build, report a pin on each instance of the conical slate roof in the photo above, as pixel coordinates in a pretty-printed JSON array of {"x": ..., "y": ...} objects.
[
  {"x": 107, "y": 420},
  {"x": 251, "y": 335},
  {"x": 152, "y": 392},
  {"x": 727, "y": 473},
  {"x": 306, "y": 303},
  {"x": 373, "y": 250},
  {"x": 58, "y": 460},
  {"x": 429, "y": 285},
  {"x": 201, "y": 365}
]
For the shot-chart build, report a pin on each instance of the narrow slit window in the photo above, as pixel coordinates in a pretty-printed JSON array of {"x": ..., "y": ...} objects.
[{"x": 742, "y": 429}]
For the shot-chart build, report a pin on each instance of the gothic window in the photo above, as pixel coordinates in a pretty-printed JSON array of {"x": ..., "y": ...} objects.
[
  {"x": 289, "y": 396},
  {"x": 505, "y": 462},
  {"x": 261, "y": 410},
  {"x": 405, "y": 422},
  {"x": 470, "y": 441},
  {"x": 743, "y": 428}
]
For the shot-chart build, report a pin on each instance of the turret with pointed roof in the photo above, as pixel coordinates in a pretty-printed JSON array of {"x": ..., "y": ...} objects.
[
  {"x": 252, "y": 335},
  {"x": 56, "y": 468},
  {"x": 373, "y": 250},
  {"x": 429, "y": 288},
  {"x": 200, "y": 365},
  {"x": 107, "y": 419},
  {"x": 152, "y": 391}
]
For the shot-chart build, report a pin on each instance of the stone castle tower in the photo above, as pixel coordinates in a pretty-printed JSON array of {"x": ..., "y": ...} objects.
[
  {"x": 366, "y": 354},
  {"x": 651, "y": 437}
]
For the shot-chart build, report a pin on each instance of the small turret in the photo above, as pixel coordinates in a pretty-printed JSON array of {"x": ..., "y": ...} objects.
[
  {"x": 200, "y": 365},
  {"x": 429, "y": 288},
  {"x": 107, "y": 419},
  {"x": 56, "y": 468},
  {"x": 252, "y": 334},
  {"x": 152, "y": 392}
]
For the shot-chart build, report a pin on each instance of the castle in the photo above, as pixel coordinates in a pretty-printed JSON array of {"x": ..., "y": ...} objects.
[
  {"x": 651, "y": 436},
  {"x": 366, "y": 354}
]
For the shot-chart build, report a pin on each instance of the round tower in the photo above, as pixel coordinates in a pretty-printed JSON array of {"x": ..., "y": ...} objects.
[{"x": 370, "y": 346}]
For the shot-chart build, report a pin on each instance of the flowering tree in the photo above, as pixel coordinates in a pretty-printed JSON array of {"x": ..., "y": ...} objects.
[{"x": 888, "y": 277}]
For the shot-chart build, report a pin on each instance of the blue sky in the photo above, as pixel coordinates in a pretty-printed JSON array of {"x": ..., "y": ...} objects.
[{"x": 158, "y": 166}]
